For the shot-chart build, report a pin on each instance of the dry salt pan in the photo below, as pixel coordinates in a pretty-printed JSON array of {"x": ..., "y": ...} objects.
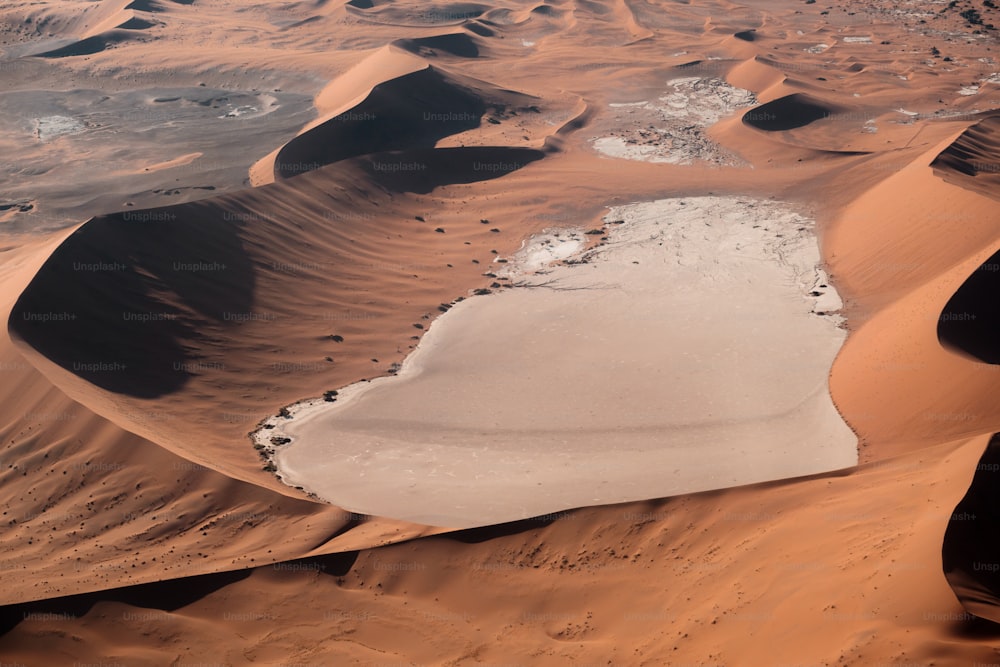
[
  {"x": 690, "y": 352},
  {"x": 671, "y": 129},
  {"x": 50, "y": 127}
]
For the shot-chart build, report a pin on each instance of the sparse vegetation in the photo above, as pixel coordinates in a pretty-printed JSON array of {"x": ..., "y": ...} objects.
[{"x": 972, "y": 16}]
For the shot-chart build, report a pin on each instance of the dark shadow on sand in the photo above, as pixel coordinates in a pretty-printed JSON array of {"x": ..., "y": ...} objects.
[
  {"x": 120, "y": 301},
  {"x": 970, "y": 553},
  {"x": 970, "y": 321}
]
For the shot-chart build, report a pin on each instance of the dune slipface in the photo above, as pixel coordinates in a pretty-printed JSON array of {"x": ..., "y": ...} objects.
[
  {"x": 971, "y": 544},
  {"x": 973, "y": 160},
  {"x": 970, "y": 321},
  {"x": 789, "y": 113}
]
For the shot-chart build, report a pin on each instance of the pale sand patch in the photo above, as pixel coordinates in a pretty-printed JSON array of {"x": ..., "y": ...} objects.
[
  {"x": 542, "y": 250},
  {"x": 50, "y": 127},
  {"x": 684, "y": 355},
  {"x": 671, "y": 129},
  {"x": 181, "y": 161}
]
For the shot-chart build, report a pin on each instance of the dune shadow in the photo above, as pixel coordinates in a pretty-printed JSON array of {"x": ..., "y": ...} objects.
[
  {"x": 788, "y": 113},
  {"x": 166, "y": 596},
  {"x": 480, "y": 29},
  {"x": 461, "y": 45},
  {"x": 975, "y": 628},
  {"x": 972, "y": 161},
  {"x": 487, "y": 533},
  {"x": 421, "y": 171},
  {"x": 136, "y": 23},
  {"x": 970, "y": 321},
  {"x": 155, "y": 5},
  {"x": 412, "y": 111},
  {"x": 336, "y": 565},
  {"x": 121, "y": 300},
  {"x": 90, "y": 45},
  {"x": 970, "y": 553}
]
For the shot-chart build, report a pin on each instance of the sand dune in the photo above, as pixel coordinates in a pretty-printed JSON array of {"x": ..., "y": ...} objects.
[
  {"x": 973, "y": 160},
  {"x": 607, "y": 573},
  {"x": 412, "y": 111},
  {"x": 91, "y": 505},
  {"x": 336, "y": 246},
  {"x": 906, "y": 361}
]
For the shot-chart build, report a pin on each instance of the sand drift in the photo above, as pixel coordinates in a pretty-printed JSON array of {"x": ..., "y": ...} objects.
[{"x": 690, "y": 352}]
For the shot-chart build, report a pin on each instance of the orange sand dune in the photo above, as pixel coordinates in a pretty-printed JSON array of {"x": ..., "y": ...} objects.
[
  {"x": 823, "y": 569},
  {"x": 91, "y": 505},
  {"x": 894, "y": 359}
]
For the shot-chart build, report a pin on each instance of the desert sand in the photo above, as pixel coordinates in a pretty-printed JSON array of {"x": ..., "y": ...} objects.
[{"x": 211, "y": 213}]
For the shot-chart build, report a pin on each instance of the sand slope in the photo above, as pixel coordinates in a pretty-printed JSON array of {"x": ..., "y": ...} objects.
[{"x": 770, "y": 574}]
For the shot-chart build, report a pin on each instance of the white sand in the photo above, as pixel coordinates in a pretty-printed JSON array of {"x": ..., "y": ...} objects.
[
  {"x": 50, "y": 127},
  {"x": 671, "y": 129},
  {"x": 684, "y": 355}
]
